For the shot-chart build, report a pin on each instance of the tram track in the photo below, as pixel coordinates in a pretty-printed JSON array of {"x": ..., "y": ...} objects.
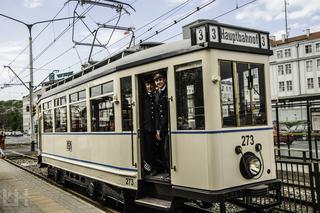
[
  {"x": 19, "y": 157},
  {"x": 28, "y": 163}
]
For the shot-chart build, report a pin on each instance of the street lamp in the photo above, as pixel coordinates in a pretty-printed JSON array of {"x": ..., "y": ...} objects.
[{"x": 29, "y": 26}]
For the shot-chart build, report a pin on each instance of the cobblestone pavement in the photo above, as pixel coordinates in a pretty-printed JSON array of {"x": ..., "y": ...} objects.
[{"x": 23, "y": 192}]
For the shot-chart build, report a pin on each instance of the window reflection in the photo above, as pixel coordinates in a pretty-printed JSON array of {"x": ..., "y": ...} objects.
[
  {"x": 47, "y": 121},
  {"x": 189, "y": 93},
  {"x": 78, "y": 115},
  {"x": 249, "y": 81},
  {"x": 61, "y": 119},
  {"x": 102, "y": 113},
  {"x": 126, "y": 99},
  {"x": 227, "y": 97}
]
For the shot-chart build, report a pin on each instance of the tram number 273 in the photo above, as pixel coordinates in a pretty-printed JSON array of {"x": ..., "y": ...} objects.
[
  {"x": 129, "y": 181},
  {"x": 247, "y": 140}
]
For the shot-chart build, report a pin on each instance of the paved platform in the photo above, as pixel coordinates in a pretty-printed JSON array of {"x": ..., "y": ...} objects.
[{"x": 25, "y": 193}]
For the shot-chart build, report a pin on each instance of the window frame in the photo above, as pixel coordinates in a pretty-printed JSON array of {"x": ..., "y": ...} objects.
[
  {"x": 288, "y": 68},
  {"x": 317, "y": 47},
  {"x": 309, "y": 66},
  {"x": 310, "y": 85},
  {"x": 308, "y": 48},
  {"x": 235, "y": 85},
  {"x": 70, "y": 114},
  {"x": 287, "y": 53},
  {"x": 47, "y": 108},
  {"x": 130, "y": 119},
  {"x": 108, "y": 94},
  {"x": 289, "y": 85},
  {"x": 282, "y": 86},
  {"x": 279, "y": 54},
  {"x": 187, "y": 67},
  {"x": 280, "y": 69}
]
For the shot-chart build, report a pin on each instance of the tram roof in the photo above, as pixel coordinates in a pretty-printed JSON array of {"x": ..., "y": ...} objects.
[
  {"x": 139, "y": 55},
  {"x": 135, "y": 59}
]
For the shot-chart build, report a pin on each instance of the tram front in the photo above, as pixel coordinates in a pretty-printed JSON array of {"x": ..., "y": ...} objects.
[{"x": 233, "y": 151}]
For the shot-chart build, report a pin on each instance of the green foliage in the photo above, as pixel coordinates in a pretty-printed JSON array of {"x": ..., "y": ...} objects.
[{"x": 11, "y": 115}]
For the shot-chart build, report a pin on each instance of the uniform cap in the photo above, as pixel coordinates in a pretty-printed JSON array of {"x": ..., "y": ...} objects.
[
  {"x": 157, "y": 75},
  {"x": 148, "y": 81}
]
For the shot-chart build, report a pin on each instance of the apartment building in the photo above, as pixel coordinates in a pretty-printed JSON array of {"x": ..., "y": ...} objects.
[{"x": 295, "y": 69}]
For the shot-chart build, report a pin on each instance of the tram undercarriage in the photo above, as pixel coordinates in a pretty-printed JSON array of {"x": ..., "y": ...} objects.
[{"x": 261, "y": 197}]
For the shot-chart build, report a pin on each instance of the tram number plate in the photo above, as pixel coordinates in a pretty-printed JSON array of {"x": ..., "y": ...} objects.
[
  {"x": 247, "y": 140},
  {"x": 129, "y": 181}
]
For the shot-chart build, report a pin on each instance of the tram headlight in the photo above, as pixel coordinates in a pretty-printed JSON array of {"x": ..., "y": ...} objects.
[{"x": 250, "y": 165}]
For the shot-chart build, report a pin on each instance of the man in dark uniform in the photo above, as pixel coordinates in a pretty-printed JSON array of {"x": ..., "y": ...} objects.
[
  {"x": 161, "y": 98},
  {"x": 149, "y": 127}
]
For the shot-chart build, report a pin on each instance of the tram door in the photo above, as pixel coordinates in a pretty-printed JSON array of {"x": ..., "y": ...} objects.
[{"x": 154, "y": 114}]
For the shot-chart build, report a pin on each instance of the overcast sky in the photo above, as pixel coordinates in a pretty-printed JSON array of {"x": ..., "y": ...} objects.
[{"x": 53, "y": 48}]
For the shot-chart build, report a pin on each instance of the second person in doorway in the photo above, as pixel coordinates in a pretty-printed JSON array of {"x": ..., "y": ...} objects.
[{"x": 161, "y": 98}]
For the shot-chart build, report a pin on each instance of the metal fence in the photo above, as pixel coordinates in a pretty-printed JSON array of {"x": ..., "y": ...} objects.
[{"x": 297, "y": 144}]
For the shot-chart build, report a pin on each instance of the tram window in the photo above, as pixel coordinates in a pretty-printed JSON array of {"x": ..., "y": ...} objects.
[
  {"x": 78, "y": 115},
  {"x": 251, "y": 91},
  {"x": 77, "y": 96},
  {"x": 246, "y": 84},
  {"x": 227, "y": 97},
  {"x": 60, "y": 115},
  {"x": 101, "y": 89},
  {"x": 95, "y": 91},
  {"x": 189, "y": 93},
  {"x": 102, "y": 114},
  {"x": 47, "y": 105},
  {"x": 47, "y": 121},
  {"x": 126, "y": 99},
  {"x": 60, "y": 101}
]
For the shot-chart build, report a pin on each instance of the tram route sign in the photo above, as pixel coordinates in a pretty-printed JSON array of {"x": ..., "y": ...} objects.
[{"x": 222, "y": 36}]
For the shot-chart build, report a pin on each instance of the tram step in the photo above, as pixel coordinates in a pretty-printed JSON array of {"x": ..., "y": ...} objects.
[
  {"x": 151, "y": 202},
  {"x": 258, "y": 190}
]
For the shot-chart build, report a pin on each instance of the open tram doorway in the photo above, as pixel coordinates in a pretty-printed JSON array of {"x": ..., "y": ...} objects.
[{"x": 154, "y": 125}]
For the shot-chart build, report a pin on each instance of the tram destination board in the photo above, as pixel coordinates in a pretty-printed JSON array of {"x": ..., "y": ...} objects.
[{"x": 230, "y": 37}]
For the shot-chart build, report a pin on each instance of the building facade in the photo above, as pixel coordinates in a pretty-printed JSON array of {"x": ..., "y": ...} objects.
[{"x": 295, "y": 70}]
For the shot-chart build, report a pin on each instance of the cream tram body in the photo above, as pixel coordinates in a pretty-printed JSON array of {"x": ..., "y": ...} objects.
[{"x": 203, "y": 159}]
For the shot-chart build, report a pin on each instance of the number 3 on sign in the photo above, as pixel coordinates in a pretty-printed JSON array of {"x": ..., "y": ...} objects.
[
  {"x": 213, "y": 32},
  {"x": 201, "y": 35}
]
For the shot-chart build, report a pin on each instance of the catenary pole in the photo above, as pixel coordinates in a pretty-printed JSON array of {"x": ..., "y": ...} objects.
[{"x": 29, "y": 26}]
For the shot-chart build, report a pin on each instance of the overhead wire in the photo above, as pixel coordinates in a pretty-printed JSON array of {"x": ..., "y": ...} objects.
[
  {"x": 45, "y": 49},
  {"x": 58, "y": 37},
  {"x": 178, "y": 20},
  {"x": 24, "y": 49},
  {"x": 208, "y": 2},
  {"x": 60, "y": 55},
  {"x": 177, "y": 8},
  {"x": 219, "y": 16}
]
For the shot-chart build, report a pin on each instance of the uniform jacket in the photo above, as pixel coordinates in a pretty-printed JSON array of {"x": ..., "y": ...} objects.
[
  {"x": 162, "y": 110},
  {"x": 149, "y": 115}
]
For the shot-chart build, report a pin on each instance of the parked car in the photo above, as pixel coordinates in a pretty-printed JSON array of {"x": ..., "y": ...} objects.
[
  {"x": 16, "y": 133},
  {"x": 285, "y": 135},
  {"x": 300, "y": 131}
]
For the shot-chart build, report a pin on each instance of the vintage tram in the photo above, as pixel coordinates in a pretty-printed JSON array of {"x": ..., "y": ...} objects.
[{"x": 220, "y": 126}]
